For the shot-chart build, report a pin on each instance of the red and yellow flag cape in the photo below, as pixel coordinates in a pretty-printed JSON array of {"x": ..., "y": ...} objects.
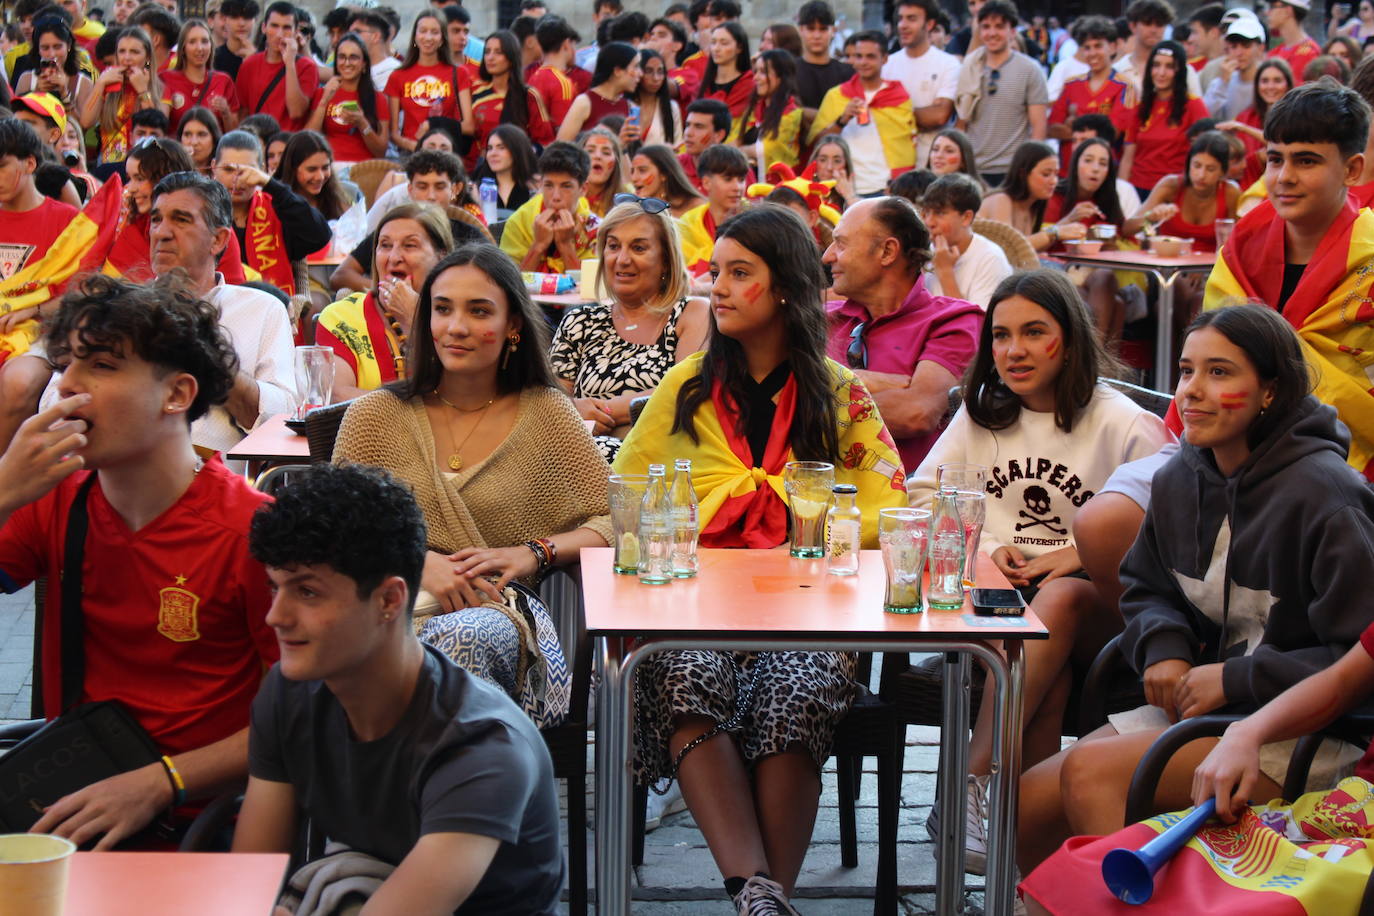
[
  {"x": 1331, "y": 308},
  {"x": 81, "y": 247}
]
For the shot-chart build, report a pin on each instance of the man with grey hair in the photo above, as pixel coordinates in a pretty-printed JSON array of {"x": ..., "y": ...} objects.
[
  {"x": 189, "y": 229},
  {"x": 299, "y": 228}
]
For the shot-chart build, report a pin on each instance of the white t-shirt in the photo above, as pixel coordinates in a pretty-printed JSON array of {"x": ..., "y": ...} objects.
[
  {"x": 1040, "y": 475},
  {"x": 979, "y": 269},
  {"x": 871, "y": 171},
  {"x": 392, "y": 197},
  {"x": 1125, "y": 68},
  {"x": 1065, "y": 70},
  {"x": 927, "y": 79},
  {"x": 382, "y": 71},
  {"x": 1128, "y": 197}
]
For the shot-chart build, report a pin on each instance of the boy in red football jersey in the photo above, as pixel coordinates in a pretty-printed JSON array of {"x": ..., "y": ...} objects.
[{"x": 173, "y": 606}]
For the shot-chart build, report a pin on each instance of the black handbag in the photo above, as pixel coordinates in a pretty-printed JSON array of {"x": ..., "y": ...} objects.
[{"x": 88, "y": 742}]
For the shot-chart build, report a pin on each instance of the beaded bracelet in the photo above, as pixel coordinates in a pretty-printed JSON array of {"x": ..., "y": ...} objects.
[
  {"x": 178, "y": 785},
  {"x": 541, "y": 553}
]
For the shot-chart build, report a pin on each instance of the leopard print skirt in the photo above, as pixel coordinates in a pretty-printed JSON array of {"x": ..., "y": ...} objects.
[{"x": 769, "y": 702}]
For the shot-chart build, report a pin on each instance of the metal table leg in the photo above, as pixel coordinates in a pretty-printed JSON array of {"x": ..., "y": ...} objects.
[
  {"x": 1164, "y": 331},
  {"x": 1006, "y": 770},
  {"x": 953, "y": 784},
  {"x": 612, "y": 795}
]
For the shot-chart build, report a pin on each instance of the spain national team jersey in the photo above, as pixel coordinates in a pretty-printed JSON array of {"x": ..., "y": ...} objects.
[
  {"x": 556, "y": 89},
  {"x": 1112, "y": 99},
  {"x": 175, "y": 613}
]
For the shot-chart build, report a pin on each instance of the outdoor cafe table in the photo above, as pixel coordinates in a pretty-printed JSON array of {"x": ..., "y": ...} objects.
[
  {"x": 765, "y": 600},
  {"x": 1165, "y": 270},
  {"x": 174, "y": 883},
  {"x": 272, "y": 443}
]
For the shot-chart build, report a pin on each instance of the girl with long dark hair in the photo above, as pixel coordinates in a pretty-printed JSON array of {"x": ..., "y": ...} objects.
[
  {"x": 509, "y": 159},
  {"x": 501, "y": 97},
  {"x": 53, "y": 68},
  {"x": 506, "y": 473},
  {"x": 951, "y": 151},
  {"x": 428, "y": 84},
  {"x": 656, "y": 172},
  {"x": 763, "y": 393},
  {"x": 199, "y": 134},
  {"x": 1273, "y": 80},
  {"x": 352, "y": 115},
  {"x": 773, "y": 115},
  {"x": 1157, "y": 129},
  {"x": 616, "y": 76},
  {"x": 728, "y": 75},
  {"x": 1021, "y": 201},
  {"x": 1189, "y": 204},
  {"x": 660, "y": 117}
]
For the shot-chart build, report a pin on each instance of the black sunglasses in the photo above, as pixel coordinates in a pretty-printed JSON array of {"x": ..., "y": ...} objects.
[
  {"x": 857, "y": 354},
  {"x": 993, "y": 77},
  {"x": 651, "y": 205}
]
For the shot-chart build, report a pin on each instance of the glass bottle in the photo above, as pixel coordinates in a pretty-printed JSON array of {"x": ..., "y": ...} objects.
[
  {"x": 682, "y": 496},
  {"x": 490, "y": 199},
  {"x": 842, "y": 531},
  {"x": 946, "y": 590},
  {"x": 656, "y": 531}
]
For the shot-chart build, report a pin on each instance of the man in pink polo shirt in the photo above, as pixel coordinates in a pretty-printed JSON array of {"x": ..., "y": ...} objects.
[{"x": 908, "y": 346}]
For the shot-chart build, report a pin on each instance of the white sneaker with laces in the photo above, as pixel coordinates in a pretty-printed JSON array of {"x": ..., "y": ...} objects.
[
  {"x": 762, "y": 896},
  {"x": 975, "y": 825},
  {"x": 660, "y": 806}
]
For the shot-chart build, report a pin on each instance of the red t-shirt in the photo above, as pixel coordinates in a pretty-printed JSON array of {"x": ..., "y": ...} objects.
[
  {"x": 418, "y": 89},
  {"x": 346, "y": 140},
  {"x": 256, "y": 74},
  {"x": 175, "y": 613},
  {"x": 183, "y": 95},
  {"x": 26, "y": 236},
  {"x": 1161, "y": 148},
  {"x": 487, "y": 106},
  {"x": 735, "y": 95},
  {"x": 1078, "y": 98},
  {"x": 688, "y": 81},
  {"x": 1298, "y": 56},
  {"x": 556, "y": 89}
]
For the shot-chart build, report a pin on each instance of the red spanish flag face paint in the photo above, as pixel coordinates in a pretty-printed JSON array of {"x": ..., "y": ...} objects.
[
  {"x": 488, "y": 336},
  {"x": 1053, "y": 347},
  {"x": 1234, "y": 400},
  {"x": 753, "y": 292}
]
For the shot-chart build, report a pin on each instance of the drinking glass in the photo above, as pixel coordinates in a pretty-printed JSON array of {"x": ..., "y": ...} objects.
[
  {"x": 808, "y": 485},
  {"x": 1223, "y": 229},
  {"x": 33, "y": 873},
  {"x": 972, "y": 513},
  {"x": 962, "y": 476},
  {"x": 903, "y": 535},
  {"x": 314, "y": 378},
  {"x": 626, "y": 492}
]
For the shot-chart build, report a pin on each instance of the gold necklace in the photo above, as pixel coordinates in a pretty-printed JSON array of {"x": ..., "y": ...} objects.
[{"x": 455, "y": 460}]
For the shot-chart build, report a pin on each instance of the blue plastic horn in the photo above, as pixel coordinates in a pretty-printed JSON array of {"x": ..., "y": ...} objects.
[{"x": 1130, "y": 873}]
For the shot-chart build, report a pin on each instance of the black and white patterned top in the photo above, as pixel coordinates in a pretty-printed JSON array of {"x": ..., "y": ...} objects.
[{"x": 588, "y": 352}]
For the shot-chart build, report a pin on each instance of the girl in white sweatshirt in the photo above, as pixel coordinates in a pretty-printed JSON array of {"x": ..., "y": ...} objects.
[{"x": 1035, "y": 415}]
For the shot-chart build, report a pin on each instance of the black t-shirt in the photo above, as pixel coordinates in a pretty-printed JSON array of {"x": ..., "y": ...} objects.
[
  {"x": 1292, "y": 273},
  {"x": 815, "y": 80},
  {"x": 958, "y": 42},
  {"x": 228, "y": 62},
  {"x": 462, "y": 759},
  {"x": 759, "y": 396},
  {"x": 462, "y": 234}
]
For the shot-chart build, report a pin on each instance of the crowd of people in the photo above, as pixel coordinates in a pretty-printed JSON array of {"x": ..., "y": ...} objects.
[{"x": 824, "y": 246}]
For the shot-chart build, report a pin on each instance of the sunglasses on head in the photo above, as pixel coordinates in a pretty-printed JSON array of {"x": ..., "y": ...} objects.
[
  {"x": 651, "y": 205},
  {"x": 857, "y": 354}
]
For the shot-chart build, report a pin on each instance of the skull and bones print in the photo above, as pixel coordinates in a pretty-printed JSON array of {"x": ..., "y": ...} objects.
[
  {"x": 1038, "y": 502},
  {"x": 1041, "y": 497}
]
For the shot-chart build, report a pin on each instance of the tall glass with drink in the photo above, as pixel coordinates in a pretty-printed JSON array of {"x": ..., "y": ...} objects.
[
  {"x": 903, "y": 535},
  {"x": 314, "y": 378},
  {"x": 626, "y": 493},
  {"x": 808, "y": 485}
]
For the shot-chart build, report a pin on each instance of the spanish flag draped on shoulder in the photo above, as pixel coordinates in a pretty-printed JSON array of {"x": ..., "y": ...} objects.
[
  {"x": 81, "y": 247},
  {"x": 1331, "y": 308},
  {"x": 890, "y": 109}
]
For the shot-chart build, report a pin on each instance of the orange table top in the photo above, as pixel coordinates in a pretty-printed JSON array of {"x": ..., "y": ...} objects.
[
  {"x": 168, "y": 883},
  {"x": 271, "y": 441},
  {"x": 767, "y": 593},
  {"x": 1141, "y": 259},
  {"x": 559, "y": 300}
]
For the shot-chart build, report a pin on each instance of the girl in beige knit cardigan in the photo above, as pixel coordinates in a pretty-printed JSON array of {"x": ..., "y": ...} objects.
[{"x": 507, "y": 475}]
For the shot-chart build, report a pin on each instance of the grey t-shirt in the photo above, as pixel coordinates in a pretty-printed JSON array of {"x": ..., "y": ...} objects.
[
  {"x": 1000, "y": 123},
  {"x": 462, "y": 759}
]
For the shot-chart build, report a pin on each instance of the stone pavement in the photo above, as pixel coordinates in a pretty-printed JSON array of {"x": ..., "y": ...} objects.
[{"x": 678, "y": 877}]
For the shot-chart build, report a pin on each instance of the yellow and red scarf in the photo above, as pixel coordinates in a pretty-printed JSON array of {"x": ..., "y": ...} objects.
[
  {"x": 1331, "y": 308},
  {"x": 266, "y": 246}
]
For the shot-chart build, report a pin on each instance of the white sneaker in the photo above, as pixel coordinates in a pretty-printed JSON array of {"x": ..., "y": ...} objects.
[
  {"x": 975, "y": 825},
  {"x": 660, "y": 806},
  {"x": 763, "y": 897}
]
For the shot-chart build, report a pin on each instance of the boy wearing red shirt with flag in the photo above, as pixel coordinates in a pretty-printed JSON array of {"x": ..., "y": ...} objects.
[
  {"x": 173, "y": 606},
  {"x": 1099, "y": 91},
  {"x": 1296, "y": 47},
  {"x": 553, "y": 78}
]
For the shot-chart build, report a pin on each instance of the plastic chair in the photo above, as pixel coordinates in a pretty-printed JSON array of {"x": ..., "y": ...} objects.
[
  {"x": 322, "y": 428},
  {"x": 456, "y": 212},
  {"x": 1016, "y": 246},
  {"x": 367, "y": 175}
]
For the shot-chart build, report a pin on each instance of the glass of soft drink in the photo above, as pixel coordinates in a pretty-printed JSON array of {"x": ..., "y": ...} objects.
[
  {"x": 808, "y": 485},
  {"x": 314, "y": 378},
  {"x": 903, "y": 536},
  {"x": 626, "y": 493},
  {"x": 972, "y": 513},
  {"x": 962, "y": 476}
]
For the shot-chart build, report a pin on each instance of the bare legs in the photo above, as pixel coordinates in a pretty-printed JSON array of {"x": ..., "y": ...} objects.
[
  {"x": 783, "y": 798},
  {"x": 22, "y": 380}
]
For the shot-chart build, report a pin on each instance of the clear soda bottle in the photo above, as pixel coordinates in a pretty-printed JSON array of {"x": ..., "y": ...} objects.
[
  {"x": 946, "y": 553},
  {"x": 682, "y": 496},
  {"x": 487, "y": 195},
  {"x": 656, "y": 531},
  {"x": 843, "y": 523}
]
